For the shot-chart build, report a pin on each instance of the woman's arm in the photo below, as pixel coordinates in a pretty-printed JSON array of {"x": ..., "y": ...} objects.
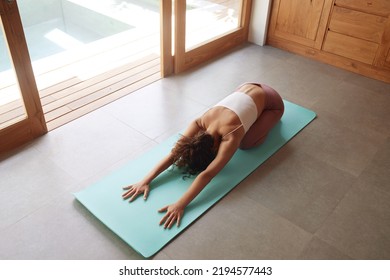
[
  {"x": 143, "y": 187},
  {"x": 175, "y": 211}
]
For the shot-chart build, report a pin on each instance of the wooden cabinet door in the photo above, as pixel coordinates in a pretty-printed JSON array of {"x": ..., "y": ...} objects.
[
  {"x": 300, "y": 21},
  {"x": 382, "y": 59}
]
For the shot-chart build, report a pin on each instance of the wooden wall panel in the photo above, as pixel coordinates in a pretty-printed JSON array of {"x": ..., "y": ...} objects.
[
  {"x": 377, "y": 7},
  {"x": 350, "y": 47},
  {"x": 357, "y": 24}
]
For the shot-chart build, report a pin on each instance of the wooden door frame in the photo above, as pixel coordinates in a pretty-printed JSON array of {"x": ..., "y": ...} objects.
[
  {"x": 184, "y": 60},
  {"x": 166, "y": 38},
  {"x": 34, "y": 125}
]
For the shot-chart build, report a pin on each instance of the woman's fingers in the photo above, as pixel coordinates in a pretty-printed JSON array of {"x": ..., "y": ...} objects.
[
  {"x": 134, "y": 196},
  {"x": 146, "y": 193},
  {"x": 133, "y": 191},
  {"x": 163, "y": 219},
  {"x": 171, "y": 221},
  {"x": 169, "y": 218},
  {"x": 137, "y": 193},
  {"x": 127, "y": 188},
  {"x": 163, "y": 209},
  {"x": 178, "y": 220},
  {"x": 129, "y": 193}
]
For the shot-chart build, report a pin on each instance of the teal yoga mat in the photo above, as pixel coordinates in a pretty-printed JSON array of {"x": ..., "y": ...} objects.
[{"x": 137, "y": 223}]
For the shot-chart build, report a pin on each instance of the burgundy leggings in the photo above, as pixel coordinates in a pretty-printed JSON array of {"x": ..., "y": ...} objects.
[{"x": 272, "y": 113}]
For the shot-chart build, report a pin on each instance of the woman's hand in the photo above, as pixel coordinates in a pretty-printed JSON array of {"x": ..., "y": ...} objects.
[
  {"x": 133, "y": 191},
  {"x": 174, "y": 214}
]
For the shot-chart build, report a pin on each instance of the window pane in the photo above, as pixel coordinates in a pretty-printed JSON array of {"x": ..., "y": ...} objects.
[
  {"x": 206, "y": 20},
  {"x": 84, "y": 38},
  {"x": 12, "y": 107}
]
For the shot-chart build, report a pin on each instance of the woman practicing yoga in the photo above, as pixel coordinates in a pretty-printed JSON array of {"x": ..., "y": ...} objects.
[{"x": 241, "y": 120}]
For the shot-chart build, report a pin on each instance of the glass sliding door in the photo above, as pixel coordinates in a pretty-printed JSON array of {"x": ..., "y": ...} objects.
[
  {"x": 21, "y": 116},
  {"x": 80, "y": 49},
  {"x": 204, "y": 29},
  {"x": 82, "y": 38}
]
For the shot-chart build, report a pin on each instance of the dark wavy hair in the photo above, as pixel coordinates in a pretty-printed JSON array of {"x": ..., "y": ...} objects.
[{"x": 194, "y": 154}]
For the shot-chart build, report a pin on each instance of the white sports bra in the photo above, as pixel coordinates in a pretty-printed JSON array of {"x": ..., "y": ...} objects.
[{"x": 244, "y": 106}]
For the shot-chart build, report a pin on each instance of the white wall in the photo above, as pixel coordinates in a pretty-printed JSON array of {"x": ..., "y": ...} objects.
[{"x": 259, "y": 21}]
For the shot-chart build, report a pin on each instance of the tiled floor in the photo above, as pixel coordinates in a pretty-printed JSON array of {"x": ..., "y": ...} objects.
[{"x": 324, "y": 195}]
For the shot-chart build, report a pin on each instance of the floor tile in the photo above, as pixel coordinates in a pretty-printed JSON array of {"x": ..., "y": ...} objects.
[
  {"x": 28, "y": 181},
  {"x": 320, "y": 250},
  {"x": 329, "y": 138},
  {"x": 368, "y": 84},
  {"x": 63, "y": 229},
  {"x": 90, "y": 144},
  {"x": 239, "y": 228},
  {"x": 301, "y": 81},
  {"x": 298, "y": 187},
  {"x": 377, "y": 173},
  {"x": 359, "y": 227},
  {"x": 361, "y": 108},
  {"x": 154, "y": 110}
]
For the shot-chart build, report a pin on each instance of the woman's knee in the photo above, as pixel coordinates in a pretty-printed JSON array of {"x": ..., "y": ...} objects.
[
  {"x": 278, "y": 113},
  {"x": 245, "y": 145},
  {"x": 249, "y": 143}
]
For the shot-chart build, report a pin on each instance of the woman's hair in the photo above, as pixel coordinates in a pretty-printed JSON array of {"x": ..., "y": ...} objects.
[{"x": 194, "y": 153}]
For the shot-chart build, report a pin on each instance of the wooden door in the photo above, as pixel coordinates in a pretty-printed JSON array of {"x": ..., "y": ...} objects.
[
  {"x": 21, "y": 115},
  {"x": 300, "y": 21}
]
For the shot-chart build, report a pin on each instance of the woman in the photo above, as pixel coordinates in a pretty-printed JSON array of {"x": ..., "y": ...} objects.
[{"x": 241, "y": 120}]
